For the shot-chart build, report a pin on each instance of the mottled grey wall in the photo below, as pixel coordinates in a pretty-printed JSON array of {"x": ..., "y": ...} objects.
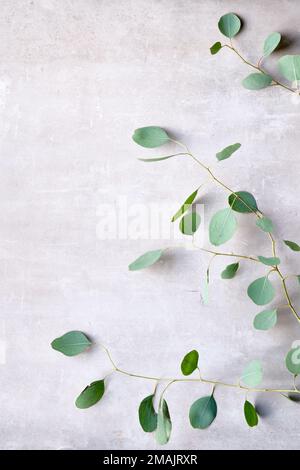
[{"x": 76, "y": 77}]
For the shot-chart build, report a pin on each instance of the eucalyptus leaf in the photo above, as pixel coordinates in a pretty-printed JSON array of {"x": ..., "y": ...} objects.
[
  {"x": 203, "y": 412},
  {"x": 71, "y": 343},
  {"x": 205, "y": 291},
  {"x": 150, "y": 137},
  {"x": 190, "y": 362},
  {"x": 164, "y": 424},
  {"x": 250, "y": 414},
  {"x": 243, "y": 202},
  {"x": 90, "y": 395},
  {"x": 292, "y": 360},
  {"x": 230, "y": 271},
  {"x": 272, "y": 261},
  {"x": 222, "y": 227},
  {"x": 265, "y": 320},
  {"x": 271, "y": 43},
  {"x": 252, "y": 375},
  {"x": 261, "y": 291},
  {"x": 227, "y": 151},
  {"x": 159, "y": 159},
  {"x": 189, "y": 223},
  {"x": 289, "y": 66},
  {"x": 292, "y": 245},
  {"x": 147, "y": 414},
  {"x": 146, "y": 260},
  {"x": 229, "y": 25},
  {"x": 185, "y": 206},
  {"x": 215, "y": 48},
  {"x": 257, "y": 81},
  {"x": 265, "y": 224}
]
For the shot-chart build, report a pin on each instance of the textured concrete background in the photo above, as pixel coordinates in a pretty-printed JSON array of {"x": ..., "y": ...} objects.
[{"x": 76, "y": 77}]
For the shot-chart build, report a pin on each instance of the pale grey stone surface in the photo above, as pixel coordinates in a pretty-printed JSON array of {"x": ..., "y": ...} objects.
[{"x": 76, "y": 77}]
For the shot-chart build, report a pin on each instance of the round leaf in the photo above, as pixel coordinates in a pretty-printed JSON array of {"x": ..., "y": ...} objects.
[
  {"x": 265, "y": 224},
  {"x": 289, "y": 66},
  {"x": 71, "y": 343},
  {"x": 164, "y": 424},
  {"x": 243, "y": 202},
  {"x": 292, "y": 360},
  {"x": 190, "y": 362},
  {"x": 227, "y": 151},
  {"x": 271, "y": 43},
  {"x": 150, "y": 137},
  {"x": 250, "y": 414},
  {"x": 265, "y": 320},
  {"x": 229, "y": 25},
  {"x": 147, "y": 414},
  {"x": 230, "y": 271},
  {"x": 292, "y": 245},
  {"x": 203, "y": 412},
  {"x": 261, "y": 291},
  {"x": 189, "y": 223},
  {"x": 146, "y": 260},
  {"x": 257, "y": 81},
  {"x": 273, "y": 261},
  {"x": 90, "y": 395},
  {"x": 252, "y": 375},
  {"x": 222, "y": 227},
  {"x": 215, "y": 48}
]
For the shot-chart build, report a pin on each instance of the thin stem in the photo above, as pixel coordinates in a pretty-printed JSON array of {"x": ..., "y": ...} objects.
[{"x": 234, "y": 255}]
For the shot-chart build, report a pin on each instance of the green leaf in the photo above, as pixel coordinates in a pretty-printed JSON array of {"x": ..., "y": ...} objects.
[
  {"x": 222, "y": 227},
  {"x": 190, "y": 362},
  {"x": 147, "y": 414},
  {"x": 250, "y": 413},
  {"x": 159, "y": 159},
  {"x": 71, "y": 343},
  {"x": 230, "y": 271},
  {"x": 227, "y": 151},
  {"x": 146, "y": 260},
  {"x": 243, "y": 202},
  {"x": 265, "y": 320},
  {"x": 90, "y": 395},
  {"x": 289, "y": 66},
  {"x": 257, "y": 81},
  {"x": 203, "y": 412},
  {"x": 265, "y": 224},
  {"x": 185, "y": 206},
  {"x": 261, "y": 291},
  {"x": 189, "y": 223},
  {"x": 292, "y": 245},
  {"x": 272, "y": 261},
  {"x": 164, "y": 424},
  {"x": 229, "y": 25},
  {"x": 252, "y": 375},
  {"x": 292, "y": 360},
  {"x": 215, "y": 48},
  {"x": 205, "y": 291},
  {"x": 150, "y": 137},
  {"x": 271, "y": 43}
]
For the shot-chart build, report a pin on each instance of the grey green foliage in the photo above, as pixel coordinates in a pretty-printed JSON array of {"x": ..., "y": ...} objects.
[
  {"x": 147, "y": 414},
  {"x": 185, "y": 206},
  {"x": 227, "y": 151},
  {"x": 222, "y": 227},
  {"x": 292, "y": 245},
  {"x": 261, "y": 291},
  {"x": 271, "y": 261},
  {"x": 229, "y": 25},
  {"x": 271, "y": 43},
  {"x": 150, "y": 137},
  {"x": 164, "y": 424},
  {"x": 289, "y": 66},
  {"x": 265, "y": 224},
  {"x": 265, "y": 320},
  {"x": 242, "y": 201},
  {"x": 252, "y": 374},
  {"x": 250, "y": 414},
  {"x": 203, "y": 412},
  {"x": 189, "y": 223},
  {"x": 145, "y": 260},
  {"x": 90, "y": 395},
  {"x": 190, "y": 362},
  {"x": 257, "y": 81},
  {"x": 292, "y": 360},
  {"x": 71, "y": 343},
  {"x": 230, "y": 271}
]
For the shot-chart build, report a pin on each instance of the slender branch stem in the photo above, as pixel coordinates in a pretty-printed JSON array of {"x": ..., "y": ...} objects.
[{"x": 234, "y": 255}]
